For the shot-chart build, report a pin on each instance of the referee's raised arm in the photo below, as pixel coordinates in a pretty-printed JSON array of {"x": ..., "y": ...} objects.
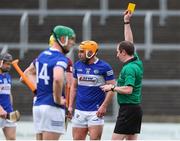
[{"x": 127, "y": 27}]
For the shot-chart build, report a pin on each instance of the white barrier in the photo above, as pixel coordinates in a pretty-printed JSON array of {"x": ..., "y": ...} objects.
[{"x": 150, "y": 131}]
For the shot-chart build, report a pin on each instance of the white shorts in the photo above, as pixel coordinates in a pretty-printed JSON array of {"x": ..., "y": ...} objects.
[
  {"x": 49, "y": 118},
  {"x": 84, "y": 119},
  {"x": 7, "y": 123}
]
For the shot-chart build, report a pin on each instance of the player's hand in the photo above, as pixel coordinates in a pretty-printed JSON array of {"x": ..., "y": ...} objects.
[
  {"x": 63, "y": 101},
  {"x": 101, "y": 111},
  {"x": 106, "y": 88},
  {"x": 70, "y": 109},
  {"x": 70, "y": 113},
  {"x": 127, "y": 16},
  {"x": 3, "y": 113}
]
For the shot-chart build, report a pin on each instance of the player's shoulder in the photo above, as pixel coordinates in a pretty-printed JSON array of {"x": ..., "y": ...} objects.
[
  {"x": 52, "y": 55},
  {"x": 46, "y": 52},
  {"x": 78, "y": 63},
  {"x": 103, "y": 63},
  {"x": 5, "y": 75}
]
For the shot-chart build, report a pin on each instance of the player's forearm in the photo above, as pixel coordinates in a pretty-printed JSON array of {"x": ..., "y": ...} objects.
[
  {"x": 1, "y": 109},
  {"x": 72, "y": 97},
  {"x": 30, "y": 73},
  {"x": 57, "y": 91},
  {"x": 108, "y": 99},
  {"x": 31, "y": 77},
  {"x": 3, "y": 113}
]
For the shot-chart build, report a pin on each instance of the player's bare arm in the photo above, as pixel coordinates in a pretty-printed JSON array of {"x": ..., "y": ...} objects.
[
  {"x": 58, "y": 82},
  {"x": 3, "y": 113},
  {"x": 102, "y": 109},
  {"x": 72, "y": 95},
  {"x": 30, "y": 73}
]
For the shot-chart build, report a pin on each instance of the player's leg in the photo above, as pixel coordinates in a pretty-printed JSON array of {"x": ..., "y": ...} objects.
[
  {"x": 95, "y": 132},
  {"x": 39, "y": 136},
  {"x": 79, "y": 124},
  {"x": 10, "y": 133},
  {"x": 36, "y": 122},
  {"x": 50, "y": 136},
  {"x": 9, "y": 129},
  {"x": 118, "y": 136},
  {"x": 95, "y": 125},
  {"x": 134, "y": 121},
  {"x": 128, "y": 122},
  {"x": 79, "y": 133},
  {"x": 121, "y": 125},
  {"x": 52, "y": 124},
  {"x": 132, "y": 137}
]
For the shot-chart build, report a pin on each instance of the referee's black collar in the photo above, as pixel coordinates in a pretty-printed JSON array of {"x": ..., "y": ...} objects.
[{"x": 130, "y": 60}]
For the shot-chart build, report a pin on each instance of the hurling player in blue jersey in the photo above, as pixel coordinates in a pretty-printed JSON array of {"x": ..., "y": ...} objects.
[
  {"x": 6, "y": 107},
  {"x": 89, "y": 74},
  {"x": 49, "y": 68}
]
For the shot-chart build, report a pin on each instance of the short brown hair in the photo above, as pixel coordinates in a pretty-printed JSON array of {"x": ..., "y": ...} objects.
[{"x": 127, "y": 46}]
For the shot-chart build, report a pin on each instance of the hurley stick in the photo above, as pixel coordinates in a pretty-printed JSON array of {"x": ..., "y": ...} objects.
[{"x": 25, "y": 79}]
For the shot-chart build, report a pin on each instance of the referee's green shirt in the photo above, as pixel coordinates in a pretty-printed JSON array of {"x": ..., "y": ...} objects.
[{"x": 131, "y": 75}]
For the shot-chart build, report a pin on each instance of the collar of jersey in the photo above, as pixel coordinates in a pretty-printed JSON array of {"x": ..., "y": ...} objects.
[
  {"x": 95, "y": 62},
  {"x": 53, "y": 49},
  {"x": 130, "y": 60}
]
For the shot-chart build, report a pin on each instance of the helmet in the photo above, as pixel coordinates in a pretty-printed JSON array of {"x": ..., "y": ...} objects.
[
  {"x": 51, "y": 40},
  {"x": 5, "y": 57},
  {"x": 64, "y": 31},
  {"x": 90, "y": 47},
  {"x": 60, "y": 31}
]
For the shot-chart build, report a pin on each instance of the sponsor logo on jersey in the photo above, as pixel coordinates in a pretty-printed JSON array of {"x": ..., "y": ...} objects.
[
  {"x": 5, "y": 89},
  {"x": 96, "y": 71},
  {"x": 109, "y": 73},
  {"x": 90, "y": 79}
]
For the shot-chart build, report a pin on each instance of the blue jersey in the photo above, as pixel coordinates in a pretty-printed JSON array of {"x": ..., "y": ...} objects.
[
  {"x": 5, "y": 92},
  {"x": 45, "y": 64},
  {"x": 90, "y": 77}
]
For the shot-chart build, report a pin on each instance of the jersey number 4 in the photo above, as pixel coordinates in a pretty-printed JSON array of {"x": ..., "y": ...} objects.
[{"x": 43, "y": 73}]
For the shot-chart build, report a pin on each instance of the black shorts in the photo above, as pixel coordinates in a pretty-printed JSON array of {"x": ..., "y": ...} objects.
[{"x": 129, "y": 119}]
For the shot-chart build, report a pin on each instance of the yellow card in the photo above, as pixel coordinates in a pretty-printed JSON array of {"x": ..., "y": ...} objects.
[{"x": 131, "y": 7}]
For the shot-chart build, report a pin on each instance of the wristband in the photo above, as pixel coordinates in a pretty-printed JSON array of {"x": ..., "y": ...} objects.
[{"x": 126, "y": 22}]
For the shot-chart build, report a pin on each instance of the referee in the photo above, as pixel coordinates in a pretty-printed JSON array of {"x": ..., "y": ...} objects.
[{"x": 129, "y": 85}]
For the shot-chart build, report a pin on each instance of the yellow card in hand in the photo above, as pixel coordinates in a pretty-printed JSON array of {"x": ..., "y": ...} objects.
[{"x": 131, "y": 7}]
